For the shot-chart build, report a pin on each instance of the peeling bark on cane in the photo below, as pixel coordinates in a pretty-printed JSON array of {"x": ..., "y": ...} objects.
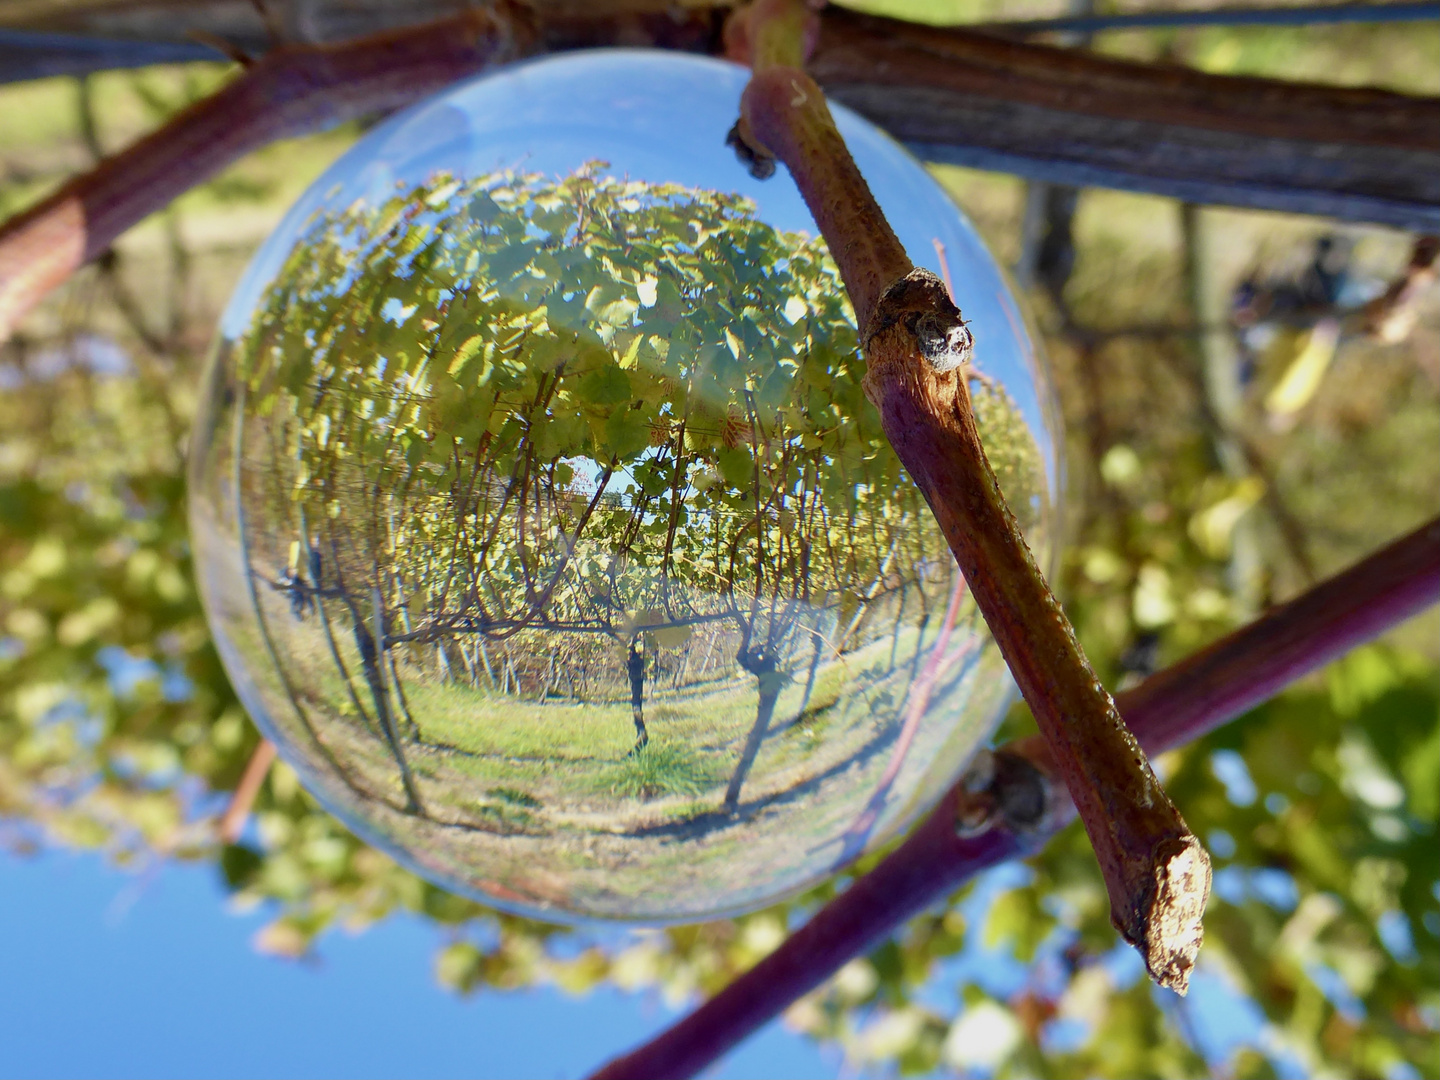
[{"x": 916, "y": 348}]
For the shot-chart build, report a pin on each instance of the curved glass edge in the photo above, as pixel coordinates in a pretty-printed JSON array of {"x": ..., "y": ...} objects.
[{"x": 863, "y": 136}]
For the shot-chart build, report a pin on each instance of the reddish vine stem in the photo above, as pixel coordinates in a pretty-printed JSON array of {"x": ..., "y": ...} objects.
[
  {"x": 917, "y": 350},
  {"x": 1168, "y": 710},
  {"x": 287, "y": 92},
  {"x": 232, "y": 822}
]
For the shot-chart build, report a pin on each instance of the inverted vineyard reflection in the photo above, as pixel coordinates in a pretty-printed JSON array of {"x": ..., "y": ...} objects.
[{"x": 543, "y": 524}]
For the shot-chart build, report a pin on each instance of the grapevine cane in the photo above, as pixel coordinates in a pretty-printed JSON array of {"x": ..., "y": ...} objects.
[{"x": 917, "y": 348}]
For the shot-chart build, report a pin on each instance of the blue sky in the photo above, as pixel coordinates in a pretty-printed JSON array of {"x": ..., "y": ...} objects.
[
  {"x": 106, "y": 973},
  {"x": 110, "y": 973}
]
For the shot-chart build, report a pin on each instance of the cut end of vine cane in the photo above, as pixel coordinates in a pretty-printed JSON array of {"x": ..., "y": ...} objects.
[
  {"x": 920, "y": 301},
  {"x": 1169, "y": 933}
]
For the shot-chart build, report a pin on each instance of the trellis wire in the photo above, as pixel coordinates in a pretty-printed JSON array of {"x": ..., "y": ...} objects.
[{"x": 1307, "y": 15}]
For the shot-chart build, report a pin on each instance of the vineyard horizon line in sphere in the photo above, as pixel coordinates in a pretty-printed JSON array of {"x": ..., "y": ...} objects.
[{"x": 541, "y": 520}]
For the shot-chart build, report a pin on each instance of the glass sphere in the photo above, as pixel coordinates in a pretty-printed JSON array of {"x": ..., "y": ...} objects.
[{"x": 543, "y": 525}]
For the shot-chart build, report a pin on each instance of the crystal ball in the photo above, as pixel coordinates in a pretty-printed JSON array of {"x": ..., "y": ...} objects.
[{"x": 543, "y": 525}]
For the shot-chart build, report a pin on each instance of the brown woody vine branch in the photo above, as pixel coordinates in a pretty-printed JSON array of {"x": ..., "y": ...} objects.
[
  {"x": 917, "y": 347},
  {"x": 1168, "y": 710},
  {"x": 956, "y": 95},
  {"x": 1080, "y": 118}
]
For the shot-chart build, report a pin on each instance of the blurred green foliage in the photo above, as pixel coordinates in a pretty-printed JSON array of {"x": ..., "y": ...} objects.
[{"x": 118, "y": 731}]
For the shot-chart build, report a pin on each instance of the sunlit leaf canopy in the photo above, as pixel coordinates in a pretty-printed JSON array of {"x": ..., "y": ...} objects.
[
  {"x": 588, "y": 343},
  {"x": 602, "y": 443},
  {"x": 119, "y": 732},
  {"x": 598, "y": 342}
]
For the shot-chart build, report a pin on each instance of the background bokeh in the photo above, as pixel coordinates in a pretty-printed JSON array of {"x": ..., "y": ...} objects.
[{"x": 1200, "y": 493}]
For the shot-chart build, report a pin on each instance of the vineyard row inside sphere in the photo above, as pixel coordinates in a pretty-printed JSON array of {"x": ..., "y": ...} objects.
[{"x": 544, "y": 526}]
